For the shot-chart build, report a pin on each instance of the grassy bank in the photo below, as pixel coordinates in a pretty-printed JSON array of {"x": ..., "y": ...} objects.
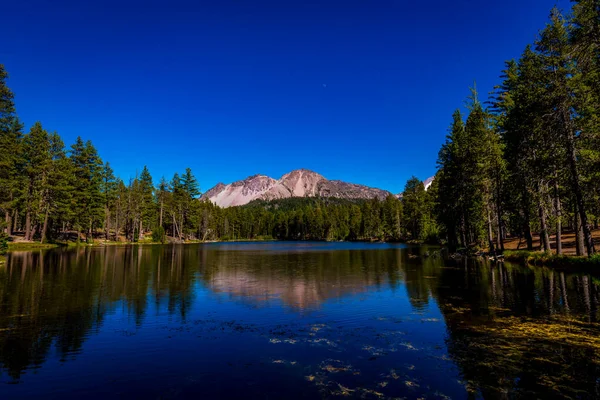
[
  {"x": 25, "y": 246},
  {"x": 552, "y": 260},
  {"x": 31, "y": 246}
]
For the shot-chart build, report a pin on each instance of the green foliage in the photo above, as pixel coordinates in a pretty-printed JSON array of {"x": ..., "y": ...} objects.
[
  {"x": 3, "y": 243},
  {"x": 554, "y": 260},
  {"x": 529, "y": 162},
  {"x": 88, "y": 200},
  {"x": 159, "y": 235}
]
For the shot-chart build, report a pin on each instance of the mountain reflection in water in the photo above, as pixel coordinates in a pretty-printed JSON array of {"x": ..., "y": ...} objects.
[{"x": 293, "y": 320}]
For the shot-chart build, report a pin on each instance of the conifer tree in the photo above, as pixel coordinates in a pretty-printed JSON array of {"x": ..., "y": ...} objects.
[
  {"x": 10, "y": 151},
  {"x": 108, "y": 189},
  {"x": 88, "y": 202},
  {"x": 146, "y": 198},
  {"x": 561, "y": 78},
  {"x": 413, "y": 200},
  {"x": 36, "y": 150}
]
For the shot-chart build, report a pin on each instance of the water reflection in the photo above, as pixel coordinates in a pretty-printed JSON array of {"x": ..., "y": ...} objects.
[
  {"x": 510, "y": 330},
  {"x": 298, "y": 281},
  {"x": 523, "y": 332}
]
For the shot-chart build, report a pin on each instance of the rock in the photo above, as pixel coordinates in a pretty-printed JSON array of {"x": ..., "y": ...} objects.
[{"x": 298, "y": 183}]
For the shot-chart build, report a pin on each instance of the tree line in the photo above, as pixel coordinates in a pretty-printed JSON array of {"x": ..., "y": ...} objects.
[
  {"x": 528, "y": 160},
  {"x": 51, "y": 192}
]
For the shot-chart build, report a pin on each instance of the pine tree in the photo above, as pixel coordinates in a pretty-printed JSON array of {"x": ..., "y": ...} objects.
[
  {"x": 449, "y": 203},
  {"x": 108, "y": 189},
  {"x": 36, "y": 150},
  {"x": 393, "y": 216},
  {"x": 190, "y": 190},
  {"x": 88, "y": 201},
  {"x": 10, "y": 152},
  {"x": 413, "y": 201},
  {"x": 58, "y": 190},
  {"x": 146, "y": 198},
  {"x": 161, "y": 196},
  {"x": 561, "y": 77}
]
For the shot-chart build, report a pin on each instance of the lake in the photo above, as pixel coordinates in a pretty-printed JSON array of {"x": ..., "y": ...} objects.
[{"x": 293, "y": 320}]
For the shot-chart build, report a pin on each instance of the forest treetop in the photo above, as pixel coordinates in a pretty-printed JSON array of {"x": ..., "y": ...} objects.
[{"x": 526, "y": 160}]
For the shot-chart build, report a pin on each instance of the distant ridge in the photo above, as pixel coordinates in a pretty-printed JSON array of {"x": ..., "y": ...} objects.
[{"x": 297, "y": 183}]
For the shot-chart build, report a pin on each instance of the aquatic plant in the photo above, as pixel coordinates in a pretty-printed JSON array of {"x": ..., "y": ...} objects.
[
  {"x": 3, "y": 243},
  {"x": 528, "y": 356}
]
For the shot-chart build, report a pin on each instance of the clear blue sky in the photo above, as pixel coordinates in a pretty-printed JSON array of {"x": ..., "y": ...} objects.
[{"x": 361, "y": 91}]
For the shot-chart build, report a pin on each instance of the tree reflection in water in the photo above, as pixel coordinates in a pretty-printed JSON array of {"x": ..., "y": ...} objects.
[{"x": 510, "y": 330}]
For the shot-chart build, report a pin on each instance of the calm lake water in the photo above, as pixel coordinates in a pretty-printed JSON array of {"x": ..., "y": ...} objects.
[{"x": 292, "y": 321}]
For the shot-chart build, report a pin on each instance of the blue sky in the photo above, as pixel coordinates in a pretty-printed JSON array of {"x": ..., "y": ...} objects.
[{"x": 361, "y": 91}]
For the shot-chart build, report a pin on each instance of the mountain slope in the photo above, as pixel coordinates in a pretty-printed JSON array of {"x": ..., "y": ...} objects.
[{"x": 298, "y": 183}]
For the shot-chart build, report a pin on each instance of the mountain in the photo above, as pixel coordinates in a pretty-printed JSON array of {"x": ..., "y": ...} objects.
[
  {"x": 298, "y": 183},
  {"x": 427, "y": 183}
]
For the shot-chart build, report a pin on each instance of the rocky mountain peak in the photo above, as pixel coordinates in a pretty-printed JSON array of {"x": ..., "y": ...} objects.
[
  {"x": 302, "y": 182},
  {"x": 297, "y": 183}
]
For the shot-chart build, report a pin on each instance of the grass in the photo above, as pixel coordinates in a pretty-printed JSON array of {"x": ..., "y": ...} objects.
[
  {"x": 552, "y": 260},
  {"x": 26, "y": 246},
  {"x": 32, "y": 246}
]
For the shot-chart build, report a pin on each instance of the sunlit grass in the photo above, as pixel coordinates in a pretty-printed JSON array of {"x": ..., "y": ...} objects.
[{"x": 26, "y": 246}]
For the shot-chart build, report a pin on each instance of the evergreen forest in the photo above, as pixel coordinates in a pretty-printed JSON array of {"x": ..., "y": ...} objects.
[{"x": 523, "y": 162}]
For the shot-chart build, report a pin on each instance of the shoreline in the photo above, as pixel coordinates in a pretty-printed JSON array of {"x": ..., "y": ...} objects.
[
  {"x": 525, "y": 257},
  {"x": 31, "y": 246},
  {"x": 545, "y": 259}
]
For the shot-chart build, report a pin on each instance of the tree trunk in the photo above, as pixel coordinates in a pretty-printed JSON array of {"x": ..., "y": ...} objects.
[
  {"x": 140, "y": 231},
  {"x": 34, "y": 229},
  {"x": 8, "y": 219},
  {"x": 133, "y": 224},
  {"x": 107, "y": 224},
  {"x": 160, "y": 222},
  {"x": 544, "y": 238},
  {"x": 28, "y": 225},
  {"x": 8, "y": 223},
  {"x": 579, "y": 245},
  {"x": 45, "y": 228},
  {"x": 490, "y": 234},
  {"x": 463, "y": 235},
  {"x": 15, "y": 220},
  {"x": 117, "y": 227},
  {"x": 527, "y": 233},
  {"x": 175, "y": 228},
  {"x": 527, "y": 218},
  {"x": 499, "y": 238},
  {"x": 499, "y": 211},
  {"x": 90, "y": 233},
  {"x": 181, "y": 227},
  {"x": 576, "y": 187},
  {"x": 558, "y": 220}
]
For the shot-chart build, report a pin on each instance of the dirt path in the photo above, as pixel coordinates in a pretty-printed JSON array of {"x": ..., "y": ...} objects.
[{"x": 568, "y": 242}]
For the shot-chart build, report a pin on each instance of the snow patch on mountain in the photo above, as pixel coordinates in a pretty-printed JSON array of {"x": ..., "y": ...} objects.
[{"x": 427, "y": 183}]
